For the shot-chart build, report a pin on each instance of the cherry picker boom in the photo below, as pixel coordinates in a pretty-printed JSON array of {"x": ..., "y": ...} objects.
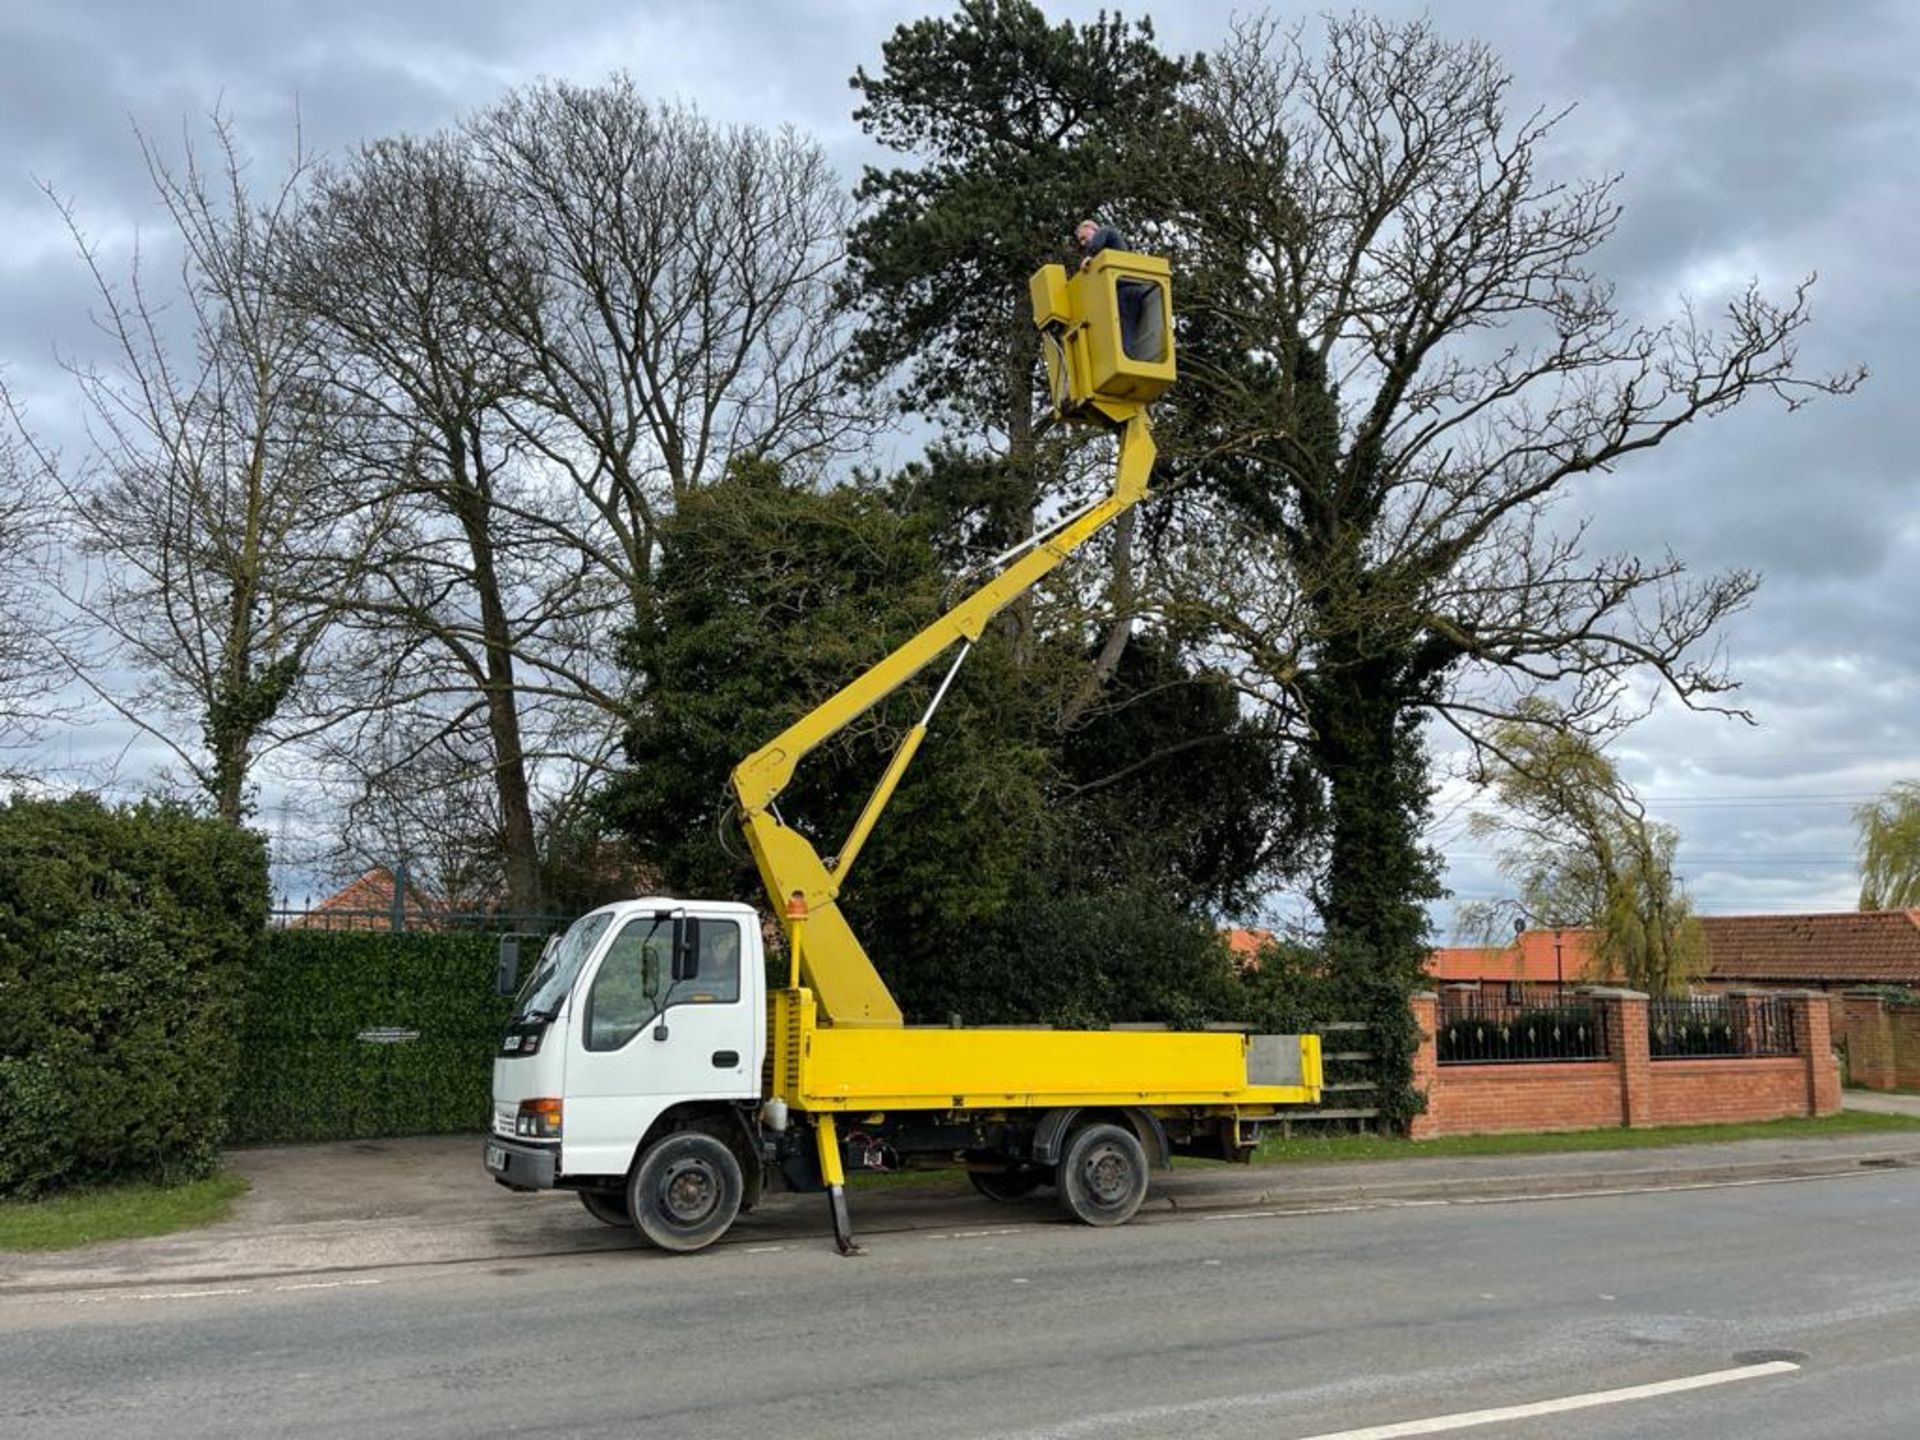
[{"x": 644, "y": 991}]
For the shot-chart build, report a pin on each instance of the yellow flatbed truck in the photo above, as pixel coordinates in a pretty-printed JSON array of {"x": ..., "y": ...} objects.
[{"x": 645, "y": 1069}]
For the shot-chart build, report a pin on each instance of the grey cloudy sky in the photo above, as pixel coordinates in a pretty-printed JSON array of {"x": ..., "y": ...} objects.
[{"x": 1755, "y": 137}]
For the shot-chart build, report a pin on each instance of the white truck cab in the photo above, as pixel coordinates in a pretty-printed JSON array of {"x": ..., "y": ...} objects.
[{"x": 642, "y": 1007}]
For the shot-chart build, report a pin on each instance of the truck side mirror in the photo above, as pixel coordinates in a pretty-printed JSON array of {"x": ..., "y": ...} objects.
[{"x": 506, "y": 972}]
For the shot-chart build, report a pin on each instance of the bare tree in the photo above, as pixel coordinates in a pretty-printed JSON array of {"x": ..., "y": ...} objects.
[
  {"x": 29, "y": 668},
  {"x": 209, "y": 498},
  {"x": 562, "y": 318},
  {"x": 1398, "y": 361},
  {"x": 685, "y": 315},
  {"x": 405, "y": 265}
]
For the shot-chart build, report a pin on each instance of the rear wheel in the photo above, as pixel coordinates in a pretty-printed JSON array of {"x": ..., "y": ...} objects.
[
  {"x": 686, "y": 1191},
  {"x": 609, "y": 1207},
  {"x": 1103, "y": 1177},
  {"x": 1013, "y": 1184}
]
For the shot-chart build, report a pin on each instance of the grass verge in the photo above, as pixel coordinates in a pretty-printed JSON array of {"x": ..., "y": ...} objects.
[
  {"x": 124, "y": 1212},
  {"x": 1275, "y": 1151}
]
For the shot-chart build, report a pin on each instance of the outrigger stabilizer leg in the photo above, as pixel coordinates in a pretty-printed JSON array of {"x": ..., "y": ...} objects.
[{"x": 835, "y": 1176}]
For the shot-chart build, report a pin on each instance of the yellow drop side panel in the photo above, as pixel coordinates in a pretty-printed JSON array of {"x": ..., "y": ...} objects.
[{"x": 829, "y": 1069}]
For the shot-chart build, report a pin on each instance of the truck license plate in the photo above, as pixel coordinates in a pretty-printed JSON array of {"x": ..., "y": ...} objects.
[{"x": 496, "y": 1158}]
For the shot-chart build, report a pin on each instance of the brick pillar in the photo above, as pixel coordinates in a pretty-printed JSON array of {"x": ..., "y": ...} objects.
[
  {"x": 1426, "y": 1066},
  {"x": 1869, "y": 1037},
  {"x": 1813, "y": 1035},
  {"x": 1625, "y": 1014},
  {"x": 1903, "y": 1053}
]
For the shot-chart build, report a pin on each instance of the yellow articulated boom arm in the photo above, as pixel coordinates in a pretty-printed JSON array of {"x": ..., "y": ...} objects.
[{"x": 1090, "y": 323}]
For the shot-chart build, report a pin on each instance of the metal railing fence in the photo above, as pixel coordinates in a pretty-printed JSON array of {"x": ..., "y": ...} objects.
[
  {"x": 1710, "y": 1027},
  {"x": 1518, "y": 1025}
]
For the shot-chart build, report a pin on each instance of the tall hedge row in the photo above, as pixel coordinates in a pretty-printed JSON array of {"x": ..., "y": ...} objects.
[
  {"x": 125, "y": 937},
  {"x": 320, "y": 1056}
]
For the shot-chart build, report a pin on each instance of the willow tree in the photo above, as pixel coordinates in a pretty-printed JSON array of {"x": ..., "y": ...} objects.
[
  {"x": 1890, "y": 848},
  {"x": 1400, "y": 360},
  {"x": 1583, "y": 853}
]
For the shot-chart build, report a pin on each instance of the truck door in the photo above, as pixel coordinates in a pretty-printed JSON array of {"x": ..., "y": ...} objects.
[{"x": 646, "y": 1038}]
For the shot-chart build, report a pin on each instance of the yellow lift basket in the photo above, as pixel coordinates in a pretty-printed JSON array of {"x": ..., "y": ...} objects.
[{"x": 1108, "y": 330}]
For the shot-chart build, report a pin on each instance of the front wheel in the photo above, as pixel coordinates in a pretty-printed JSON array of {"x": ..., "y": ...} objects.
[
  {"x": 686, "y": 1191},
  {"x": 1103, "y": 1178}
]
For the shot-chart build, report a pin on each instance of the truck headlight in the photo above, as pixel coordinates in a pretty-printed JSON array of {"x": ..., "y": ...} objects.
[{"x": 538, "y": 1119}]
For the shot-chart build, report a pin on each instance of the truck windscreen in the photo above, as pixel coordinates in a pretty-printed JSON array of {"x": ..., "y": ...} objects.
[{"x": 541, "y": 996}]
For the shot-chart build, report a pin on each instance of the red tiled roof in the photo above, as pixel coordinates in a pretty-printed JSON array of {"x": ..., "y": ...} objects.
[
  {"x": 1245, "y": 944},
  {"x": 1531, "y": 957},
  {"x": 1471, "y": 962},
  {"x": 365, "y": 904},
  {"x": 1864, "y": 947},
  {"x": 1870, "y": 947}
]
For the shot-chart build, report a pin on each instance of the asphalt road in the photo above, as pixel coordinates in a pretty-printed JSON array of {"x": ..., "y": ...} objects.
[{"x": 1220, "y": 1325}]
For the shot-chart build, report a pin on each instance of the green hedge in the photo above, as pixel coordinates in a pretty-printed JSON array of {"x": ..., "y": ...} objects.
[
  {"x": 124, "y": 939},
  {"x": 306, "y": 1073}
]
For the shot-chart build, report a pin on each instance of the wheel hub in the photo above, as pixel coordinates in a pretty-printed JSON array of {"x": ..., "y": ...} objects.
[
  {"x": 1107, "y": 1175},
  {"x": 689, "y": 1191}
]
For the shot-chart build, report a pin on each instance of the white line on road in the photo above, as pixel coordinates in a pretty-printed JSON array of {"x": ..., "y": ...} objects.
[
  {"x": 1153, "y": 1419},
  {"x": 327, "y": 1284},
  {"x": 1467, "y": 1419},
  {"x": 976, "y": 1234}
]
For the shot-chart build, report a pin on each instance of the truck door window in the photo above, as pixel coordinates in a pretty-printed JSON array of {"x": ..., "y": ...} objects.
[
  {"x": 634, "y": 983},
  {"x": 631, "y": 984},
  {"x": 717, "y": 982}
]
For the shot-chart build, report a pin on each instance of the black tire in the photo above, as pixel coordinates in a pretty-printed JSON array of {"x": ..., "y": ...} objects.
[
  {"x": 1103, "y": 1177},
  {"x": 609, "y": 1207},
  {"x": 1005, "y": 1185},
  {"x": 685, "y": 1191}
]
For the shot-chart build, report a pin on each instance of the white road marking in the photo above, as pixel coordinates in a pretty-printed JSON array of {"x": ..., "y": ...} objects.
[
  {"x": 1153, "y": 1419},
  {"x": 763, "y": 1249},
  {"x": 1467, "y": 1419},
  {"x": 1304, "y": 1210},
  {"x": 975, "y": 1234},
  {"x": 328, "y": 1284}
]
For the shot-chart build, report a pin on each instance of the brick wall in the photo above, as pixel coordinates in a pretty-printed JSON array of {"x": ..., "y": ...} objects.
[
  {"x": 1883, "y": 1042},
  {"x": 1630, "y": 1088}
]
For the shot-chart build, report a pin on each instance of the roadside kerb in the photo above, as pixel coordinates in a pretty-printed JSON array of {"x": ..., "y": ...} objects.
[{"x": 440, "y": 1211}]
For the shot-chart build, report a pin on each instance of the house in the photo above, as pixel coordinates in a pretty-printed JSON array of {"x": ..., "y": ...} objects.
[
  {"x": 1840, "y": 951},
  {"x": 1536, "y": 957},
  {"x": 1246, "y": 944},
  {"x": 366, "y": 903}
]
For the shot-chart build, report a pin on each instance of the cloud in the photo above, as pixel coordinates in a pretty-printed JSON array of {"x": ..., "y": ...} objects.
[{"x": 1769, "y": 139}]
